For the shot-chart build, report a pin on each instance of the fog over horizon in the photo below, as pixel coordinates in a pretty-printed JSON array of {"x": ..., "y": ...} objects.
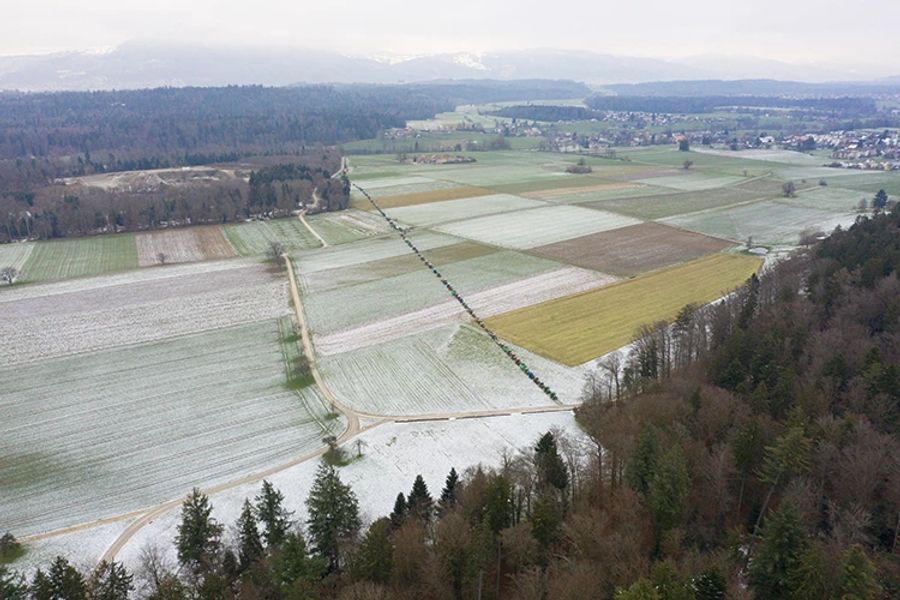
[{"x": 821, "y": 32}]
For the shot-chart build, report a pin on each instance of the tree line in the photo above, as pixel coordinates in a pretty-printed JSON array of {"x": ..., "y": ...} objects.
[
  {"x": 747, "y": 450},
  {"x": 275, "y": 187}
]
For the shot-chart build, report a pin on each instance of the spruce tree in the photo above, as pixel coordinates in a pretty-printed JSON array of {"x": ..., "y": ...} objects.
[
  {"x": 639, "y": 470},
  {"x": 199, "y": 535},
  {"x": 250, "y": 547},
  {"x": 710, "y": 585},
  {"x": 399, "y": 512},
  {"x": 880, "y": 200},
  {"x": 419, "y": 502},
  {"x": 110, "y": 581},
  {"x": 62, "y": 581},
  {"x": 448, "y": 494},
  {"x": 811, "y": 577},
  {"x": 858, "y": 580},
  {"x": 375, "y": 557},
  {"x": 775, "y": 563},
  {"x": 12, "y": 585},
  {"x": 333, "y": 516},
  {"x": 551, "y": 468},
  {"x": 275, "y": 519},
  {"x": 669, "y": 489}
]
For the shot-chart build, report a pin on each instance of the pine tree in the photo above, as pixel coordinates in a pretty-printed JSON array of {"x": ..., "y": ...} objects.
[
  {"x": 880, "y": 200},
  {"x": 110, "y": 581},
  {"x": 811, "y": 580},
  {"x": 399, "y": 512},
  {"x": 551, "y": 468},
  {"x": 642, "y": 589},
  {"x": 669, "y": 489},
  {"x": 276, "y": 520},
  {"x": 775, "y": 563},
  {"x": 858, "y": 581},
  {"x": 374, "y": 559},
  {"x": 199, "y": 535},
  {"x": 419, "y": 502},
  {"x": 291, "y": 562},
  {"x": 333, "y": 516},
  {"x": 710, "y": 585},
  {"x": 498, "y": 509},
  {"x": 448, "y": 494},
  {"x": 546, "y": 519},
  {"x": 62, "y": 582},
  {"x": 250, "y": 545},
  {"x": 639, "y": 470},
  {"x": 12, "y": 585}
]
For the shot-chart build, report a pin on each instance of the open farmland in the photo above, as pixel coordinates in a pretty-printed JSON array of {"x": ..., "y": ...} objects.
[
  {"x": 579, "y": 328},
  {"x": 451, "y": 193},
  {"x": 15, "y": 255},
  {"x": 108, "y": 432},
  {"x": 632, "y": 250},
  {"x": 502, "y": 298},
  {"x": 692, "y": 182},
  {"x": 771, "y": 222},
  {"x": 456, "y": 210},
  {"x": 56, "y": 319},
  {"x": 453, "y": 368},
  {"x": 655, "y": 205},
  {"x": 373, "y": 270},
  {"x": 347, "y": 225},
  {"x": 537, "y": 227},
  {"x": 363, "y": 251},
  {"x": 61, "y": 259},
  {"x": 182, "y": 245},
  {"x": 253, "y": 239},
  {"x": 340, "y": 308}
]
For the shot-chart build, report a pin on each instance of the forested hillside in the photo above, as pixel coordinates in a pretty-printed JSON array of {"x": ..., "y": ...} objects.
[{"x": 748, "y": 451}]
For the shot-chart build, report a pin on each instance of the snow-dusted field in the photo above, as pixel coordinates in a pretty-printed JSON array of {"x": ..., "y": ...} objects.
[
  {"x": 452, "y": 368},
  {"x": 15, "y": 255},
  {"x": 105, "y": 433},
  {"x": 452, "y": 210},
  {"x": 363, "y": 251},
  {"x": 393, "y": 454},
  {"x": 347, "y": 225},
  {"x": 537, "y": 227},
  {"x": 99, "y": 316},
  {"x": 353, "y": 305},
  {"x": 503, "y": 298},
  {"x": 692, "y": 182}
]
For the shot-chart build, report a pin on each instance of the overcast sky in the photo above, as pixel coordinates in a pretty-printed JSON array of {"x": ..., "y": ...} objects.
[{"x": 858, "y": 31}]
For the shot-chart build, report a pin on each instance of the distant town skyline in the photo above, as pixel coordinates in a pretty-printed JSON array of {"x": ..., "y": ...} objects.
[{"x": 796, "y": 31}]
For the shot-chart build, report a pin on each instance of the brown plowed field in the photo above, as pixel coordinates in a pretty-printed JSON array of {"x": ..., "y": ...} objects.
[
  {"x": 213, "y": 243},
  {"x": 632, "y": 250}
]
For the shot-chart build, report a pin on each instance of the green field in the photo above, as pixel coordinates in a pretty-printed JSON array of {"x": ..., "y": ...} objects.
[
  {"x": 80, "y": 257},
  {"x": 254, "y": 239}
]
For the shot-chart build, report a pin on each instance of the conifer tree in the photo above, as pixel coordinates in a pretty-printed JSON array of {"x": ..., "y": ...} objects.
[
  {"x": 419, "y": 502},
  {"x": 810, "y": 580},
  {"x": 250, "y": 547},
  {"x": 858, "y": 581},
  {"x": 275, "y": 519},
  {"x": 448, "y": 494},
  {"x": 669, "y": 489},
  {"x": 710, "y": 585},
  {"x": 639, "y": 470},
  {"x": 374, "y": 559},
  {"x": 110, "y": 581},
  {"x": 62, "y": 581},
  {"x": 12, "y": 585},
  {"x": 291, "y": 562},
  {"x": 775, "y": 563},
  {"x": 199, "y": 535},
  {"x": 551, "y": 468},
  {"x": 399, "y": 512},
  {"x": 333, "y": 516}
]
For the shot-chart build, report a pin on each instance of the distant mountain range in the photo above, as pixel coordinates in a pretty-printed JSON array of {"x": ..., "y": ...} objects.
[{"x": 143, "y": 64}]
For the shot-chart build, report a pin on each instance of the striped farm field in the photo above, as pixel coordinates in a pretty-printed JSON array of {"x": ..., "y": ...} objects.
[
  {"x": 15, "y": 255},
  {"x": 182, "y": 245},
  {"x": 579, "y": 328},
  {"x": 253, "y": 239},
  {"x": 466, "y": 208},
  {"x": 453, "y": 193},
  {"x": 61, "y": 259}
]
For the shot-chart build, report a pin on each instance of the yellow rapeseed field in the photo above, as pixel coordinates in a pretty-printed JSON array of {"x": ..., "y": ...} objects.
[
  {"x": 455, "y": 193},
  {"x": 576, "y": 329}
]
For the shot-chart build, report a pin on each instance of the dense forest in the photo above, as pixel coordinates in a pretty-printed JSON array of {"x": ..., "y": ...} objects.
[
  {"x": 271, "y": 186},
  {"x": 749, "y": 450}
]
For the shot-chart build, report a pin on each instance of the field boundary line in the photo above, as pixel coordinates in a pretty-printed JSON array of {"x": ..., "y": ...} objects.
[{"x": 302, "y": 216}]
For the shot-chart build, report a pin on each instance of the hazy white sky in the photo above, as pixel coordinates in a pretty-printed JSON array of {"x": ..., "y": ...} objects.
[{"x": 847, "y": 31}]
